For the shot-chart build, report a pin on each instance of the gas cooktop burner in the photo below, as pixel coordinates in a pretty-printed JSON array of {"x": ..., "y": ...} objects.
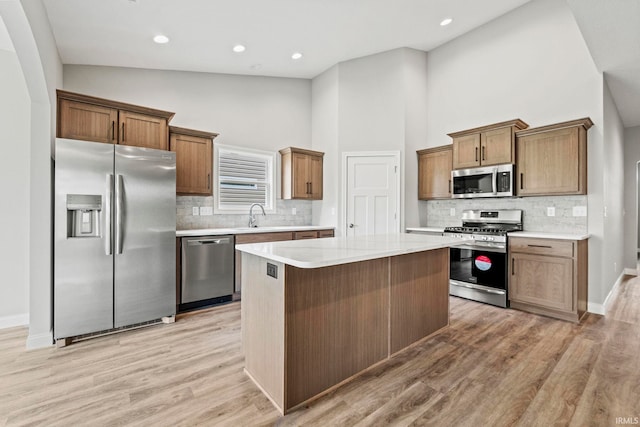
[{"x": 498, "y": 222}]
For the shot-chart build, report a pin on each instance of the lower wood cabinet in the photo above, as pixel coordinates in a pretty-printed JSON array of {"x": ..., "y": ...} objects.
[{"x": 549, "y": 277}]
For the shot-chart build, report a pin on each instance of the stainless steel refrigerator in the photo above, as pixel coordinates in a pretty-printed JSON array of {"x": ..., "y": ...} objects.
[{"x": 114, "y": 242}]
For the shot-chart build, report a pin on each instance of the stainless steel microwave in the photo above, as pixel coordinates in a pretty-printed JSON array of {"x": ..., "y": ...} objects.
[{"x": 487, "y": 181}]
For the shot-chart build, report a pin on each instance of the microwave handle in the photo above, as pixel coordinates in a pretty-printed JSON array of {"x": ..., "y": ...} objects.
[{"x": 494, "y": 181}]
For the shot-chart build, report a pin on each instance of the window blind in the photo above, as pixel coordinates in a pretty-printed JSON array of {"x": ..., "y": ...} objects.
[{"x": 243, "y": 179}]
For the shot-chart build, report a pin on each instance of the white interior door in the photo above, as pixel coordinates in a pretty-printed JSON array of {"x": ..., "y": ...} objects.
[{"x": 372, "y": 194}]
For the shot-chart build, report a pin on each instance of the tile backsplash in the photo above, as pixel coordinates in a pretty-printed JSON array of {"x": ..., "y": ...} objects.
[
  {"x": 437, "y": 213},
  {"x": 185, "y": 220}
]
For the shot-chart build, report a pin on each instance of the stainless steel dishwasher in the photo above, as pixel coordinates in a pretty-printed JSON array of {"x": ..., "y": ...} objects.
[{"x": 208, "y": 267}]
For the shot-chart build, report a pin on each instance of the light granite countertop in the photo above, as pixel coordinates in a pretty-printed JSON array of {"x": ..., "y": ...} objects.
[
  {"x": 425, "y": 229},
  {"x": 247, "y": 230},
  {"x": 315, "y": 253}
]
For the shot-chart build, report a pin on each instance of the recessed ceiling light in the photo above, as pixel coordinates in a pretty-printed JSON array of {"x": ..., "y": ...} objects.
[
  {"x": 160, "y": 39},
  {"x": 446, "y": 21},
  {"x": 239, "y": 48},
  {"x": 296, "y": 55}
]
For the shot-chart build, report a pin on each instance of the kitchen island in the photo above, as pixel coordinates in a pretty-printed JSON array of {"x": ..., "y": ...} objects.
[{"x": 315, "y": 313}]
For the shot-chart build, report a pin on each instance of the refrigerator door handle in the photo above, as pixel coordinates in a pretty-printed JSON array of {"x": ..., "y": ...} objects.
[
  {"x": 119, "y": 212},
  {"x": 108, "y": 230}
]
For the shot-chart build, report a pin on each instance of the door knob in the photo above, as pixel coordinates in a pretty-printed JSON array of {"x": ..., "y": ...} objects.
[{"x": 351, "y": 225}]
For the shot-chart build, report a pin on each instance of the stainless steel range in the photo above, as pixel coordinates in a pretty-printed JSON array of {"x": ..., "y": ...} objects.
[{"x": 478, "y": 270}]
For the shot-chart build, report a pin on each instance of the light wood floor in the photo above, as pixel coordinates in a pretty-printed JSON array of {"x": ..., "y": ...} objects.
[{"x": 491, "y": 367}]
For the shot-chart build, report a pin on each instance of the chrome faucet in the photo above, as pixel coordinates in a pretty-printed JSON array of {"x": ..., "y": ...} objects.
[{"x": 252, "y": 218}]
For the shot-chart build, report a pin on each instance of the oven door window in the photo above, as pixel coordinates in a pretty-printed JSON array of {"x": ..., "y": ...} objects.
[
  {"x": 479, "y": 267},
  {"x": 473, "y": 184}
]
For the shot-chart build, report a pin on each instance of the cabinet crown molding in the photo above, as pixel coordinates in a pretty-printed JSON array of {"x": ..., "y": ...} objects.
[
  {"x": 585, "y": 122},
  {"x": 434, "y": 149},
  {"x": 192, "y": 132},
  {"x": 301, "y": 151},
  {"x": 516, "y": 123},
  {"x": 87, "y": 99}
]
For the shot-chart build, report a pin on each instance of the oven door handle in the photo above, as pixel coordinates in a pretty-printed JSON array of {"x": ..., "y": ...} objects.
[
  {"x": 477, "y": 288},
  {"x": 502, "y": 249}
]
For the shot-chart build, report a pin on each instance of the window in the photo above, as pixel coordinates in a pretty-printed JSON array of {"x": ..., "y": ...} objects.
[{"x": 242, "y": 177}]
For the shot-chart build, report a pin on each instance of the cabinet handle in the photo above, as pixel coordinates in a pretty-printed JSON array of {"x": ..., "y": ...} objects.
[
  {"x": 208, "y": 181},
  {"x": 113, "y": 130},
  {"x": 476, "y": 154},
  {"x": 521, "y": 180},
  {"x": 123, "y": 132},
  {"x": 311, "y": 188},
  {"x": 540, "y": 246},
  {"x": 450, "y": 188},
  {"x": 483, "y": 152},
  {"x": 513, "y": 266}
]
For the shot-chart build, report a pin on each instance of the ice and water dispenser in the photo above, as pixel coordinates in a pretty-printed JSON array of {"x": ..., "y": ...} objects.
[{"x": 83, "y": 215}]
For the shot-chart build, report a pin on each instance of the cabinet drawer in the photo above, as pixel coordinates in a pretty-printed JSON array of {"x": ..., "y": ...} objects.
[
  {"x": 297, "y": 235},
  {"x": 263, "y": 237},
  {"x": 325, "y": 233},
  {"x": 550, "y": 247}
]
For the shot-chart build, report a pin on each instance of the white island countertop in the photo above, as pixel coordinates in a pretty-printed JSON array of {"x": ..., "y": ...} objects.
[
  {"x": 247, "y": 230},
  {"x": 315, "y": 253}
]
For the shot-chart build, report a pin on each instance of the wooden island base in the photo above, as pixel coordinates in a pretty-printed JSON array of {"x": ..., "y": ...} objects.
[{"x": 310, "y": 329}]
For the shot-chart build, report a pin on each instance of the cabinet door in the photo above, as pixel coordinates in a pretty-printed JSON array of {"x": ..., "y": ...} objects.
[
  {"x": 542, "y": 280},
  {"x": 550, "y": 163},
  {"x": 466, "y": 151},
  {"x": 497, "y": 147},
  {"x": 434, "y": 175},
  {"x": 315, "y": 177},
  {"x": 194, "y": 159},
  {"x": 87, "y": 122},
  {"x": 141, "y": 130},
  {"x": 300, "y": 172}
]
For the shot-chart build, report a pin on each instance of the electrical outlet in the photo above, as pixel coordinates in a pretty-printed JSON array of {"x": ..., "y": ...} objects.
[
  {"x": 272, "y": 270},
  {"x": 452, "y": 211},
  {"x": 579, "y": 211},
  {"x": 206, "y": 210},
  {"x": 615, "y": 267},
  {"x": 293, "y": 211},
  {"x": 195, "y": 210},
  {"x": 551, "y": 211}
]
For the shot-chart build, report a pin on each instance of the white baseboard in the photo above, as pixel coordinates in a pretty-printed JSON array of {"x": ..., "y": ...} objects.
[
  {"x": 631, "y": 271},
  {"x": 15, "y": 320},
  {"x": 40, "y": 340},
  {"x": 602, "y": 308}
]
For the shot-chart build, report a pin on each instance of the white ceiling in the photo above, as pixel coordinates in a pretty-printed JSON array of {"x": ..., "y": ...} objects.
[{"x": 202, "y": 32}]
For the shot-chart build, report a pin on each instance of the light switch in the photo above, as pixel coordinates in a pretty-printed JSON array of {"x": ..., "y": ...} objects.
[
  {"x": 293, "y": 211},
  {"x": 452, "y": 212},
  {"x": 551, "y": 211},
  {"x": 206, "y": 210}
]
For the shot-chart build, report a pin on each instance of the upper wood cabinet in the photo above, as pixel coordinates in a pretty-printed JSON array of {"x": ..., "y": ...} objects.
[
  {"x": 434, "y": 173},
  {"x": 486, "y": 145},
  {"x": 194, "y": 160},
  {"x": 101, "y": 120},
  {"x": 301, "y": 173},
  {"x": 552, "y": 160}
]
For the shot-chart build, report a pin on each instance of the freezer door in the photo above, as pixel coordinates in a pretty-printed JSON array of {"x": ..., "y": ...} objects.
[
  {"x": 83, "y": 267},
  {"x": 145, "y": 235}
]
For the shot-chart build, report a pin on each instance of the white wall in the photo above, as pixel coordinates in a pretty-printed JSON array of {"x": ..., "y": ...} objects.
[
  {"x": 260, "y": 112},
  {"x": 613, "y": 186},
  {"x": 373, "y": 103},
  {"x": 631, "y": 195},
  {"x": 531, "y": 64},
  {"x": 15, "y": 111},
  {"x": 324, "y": 137},
  {"x": 33, "y": 40}
]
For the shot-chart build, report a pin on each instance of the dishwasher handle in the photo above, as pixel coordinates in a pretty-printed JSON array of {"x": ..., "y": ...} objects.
[{"x": 199, "y": 242}]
